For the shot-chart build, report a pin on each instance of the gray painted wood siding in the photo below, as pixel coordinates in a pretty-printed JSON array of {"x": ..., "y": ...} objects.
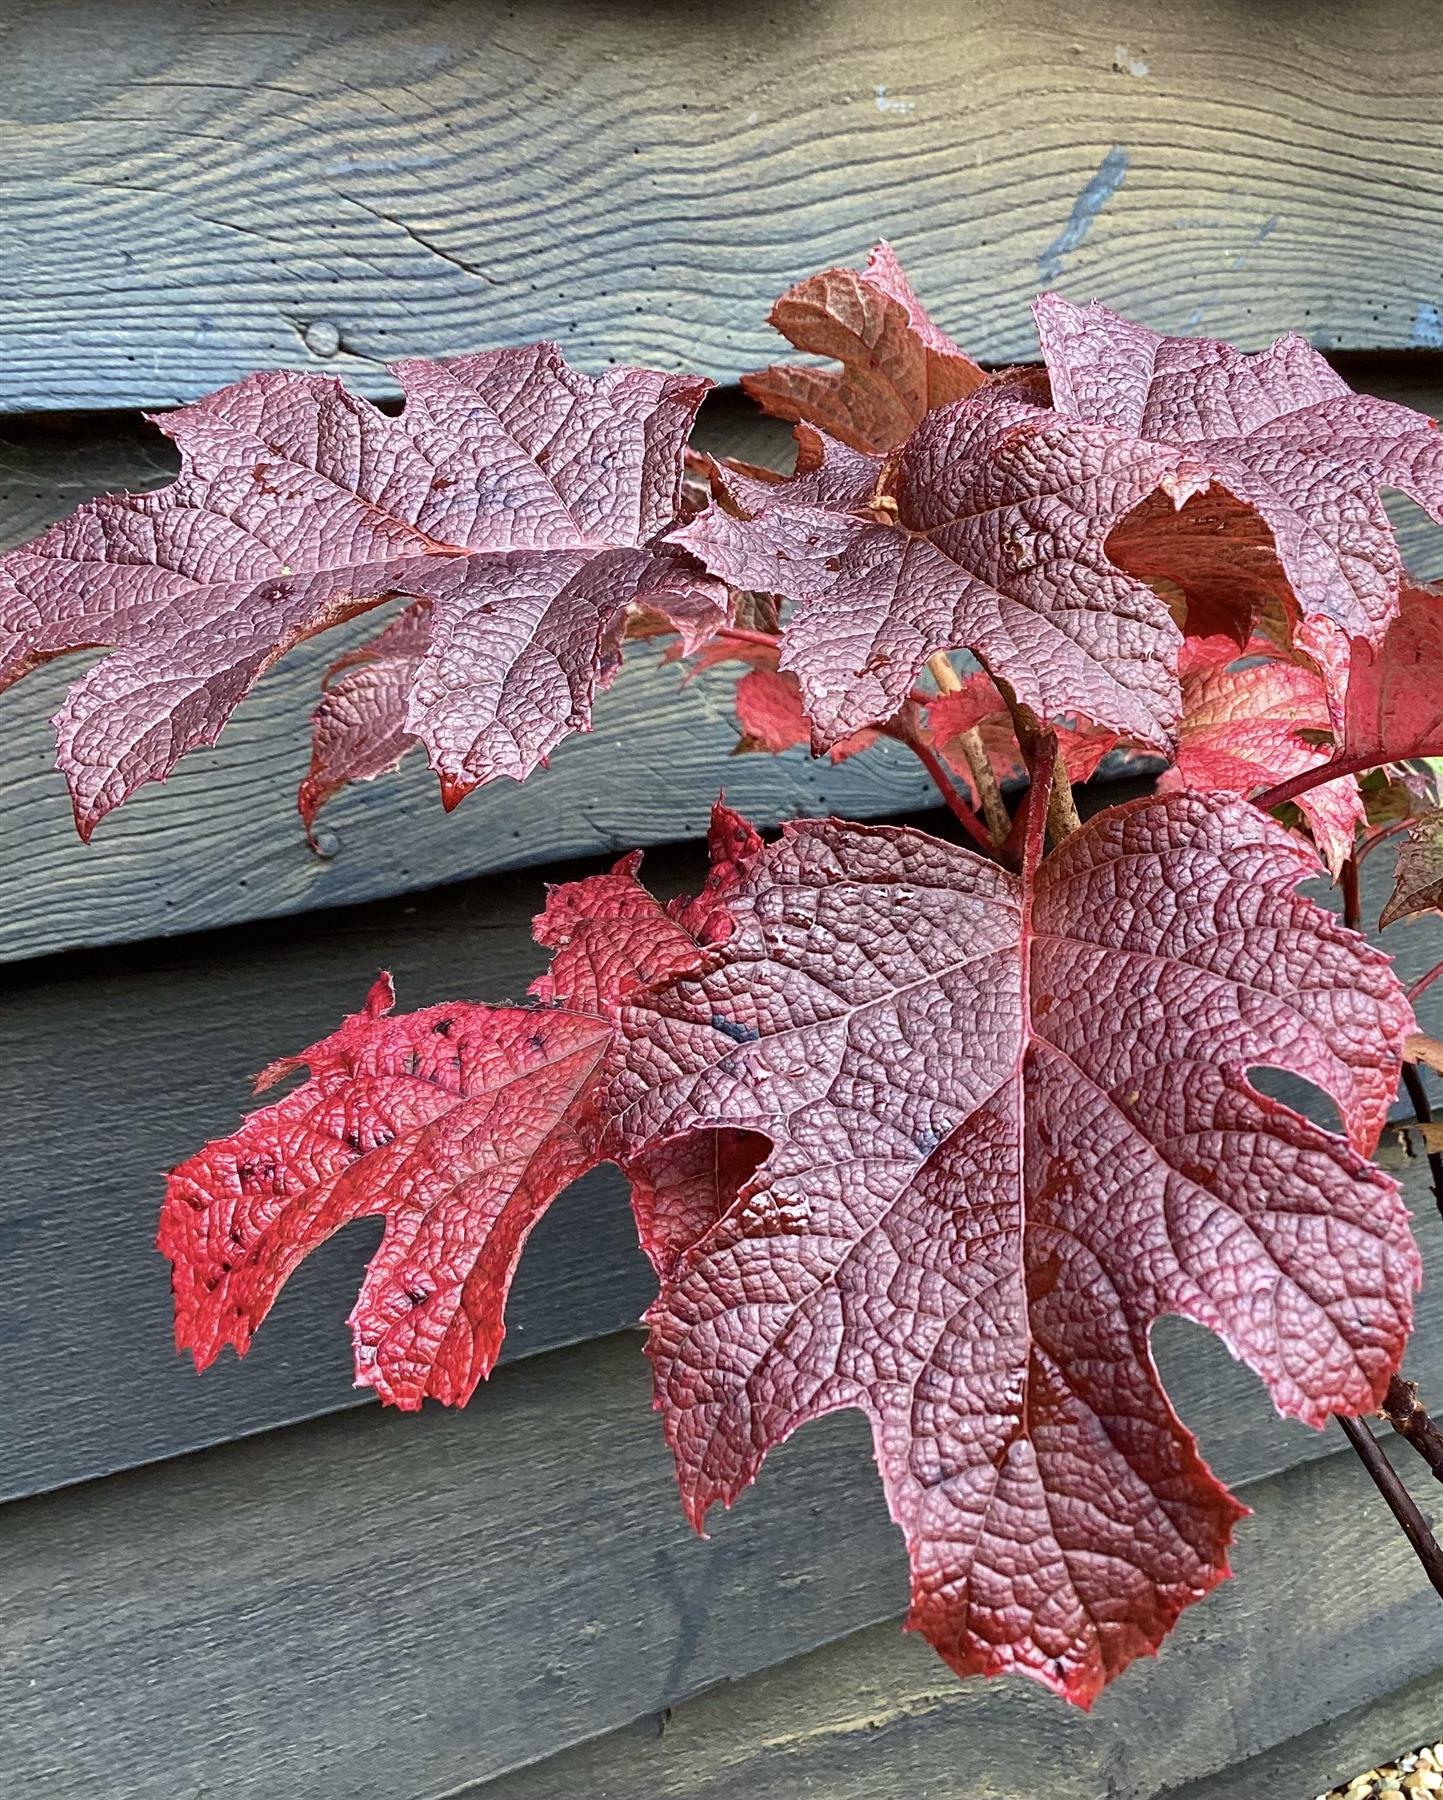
[
  {"x": 188, "y": 198},
  {"x": 221, "y": 840},
  {"x": 505, "y": 1604}
]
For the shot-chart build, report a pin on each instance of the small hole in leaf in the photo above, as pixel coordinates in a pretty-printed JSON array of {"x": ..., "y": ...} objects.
[{"x": 1313, "y": 1102}]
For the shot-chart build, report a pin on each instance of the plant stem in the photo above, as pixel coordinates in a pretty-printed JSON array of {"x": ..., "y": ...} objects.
[
  {"x": 1381, "y": 836},
  {"x": 906, "y": 729},
  {"x": 1307, "y": 779},
  {"x": 1423, "y": 1113},
  {"x": 1400, "y": 1501},
  {"x": 1062, "y": 814},
  {"x": 1423, "y": 983},
  {"x": 1408, "y": 1416},
  {"x": 734, "y": 634},
  {"x": 979, "y": 764}
]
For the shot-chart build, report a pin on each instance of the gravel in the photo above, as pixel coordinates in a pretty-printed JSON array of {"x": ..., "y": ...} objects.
[{"x": 1418, "y": 1773}]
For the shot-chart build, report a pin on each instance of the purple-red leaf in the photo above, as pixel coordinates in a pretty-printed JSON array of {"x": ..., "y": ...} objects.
[
  {"x": 1395, "y": 691},
  {"x": 1011, "y": 1125},
  {"x": 519, "y": 497},
  {"x": 769, "y": 712},
  {"x": 611, "y": 938},
  {"x": 358, "y": 731},
  {"x": 896, "y": 365},
  {"x": 459, "y": 1125},
  {"x": 1281, "y": 431},
  {"x": 985, "y": 534},
  {"x": 1247, "y": 728}
]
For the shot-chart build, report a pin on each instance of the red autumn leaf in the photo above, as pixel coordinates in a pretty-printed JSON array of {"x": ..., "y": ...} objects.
[
  {"x": 611, "y": 938},
  {"x": 1395, "y": 693},
  {"x": 1012, "y": 1125},
  {"x": 1245, "y": 729},
  {"x": 769, "y": 711},
  {"x": 978, "y": 706},
  {"x": 358, "y": 731},
  {"x": 896, "y": 365},
  {"x": 609, "y": 935},
  {"x": 1418, "y": 879},
  {"x": 985, "y": 534},
  {"x": 521, "y": 498},
  {"x": 1280, "y": 430},
  {"x": 459, "y": 1125}
]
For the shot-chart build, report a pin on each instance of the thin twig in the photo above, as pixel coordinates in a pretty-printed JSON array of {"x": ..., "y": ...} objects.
[
  {"x": 1423, "y": 983},
  {"x": 1380, "y": 836},
  {"x": 735, "y": 634},
  {"x": 1401, "y": 1503},
  {"x": 1411, "y": 1420},
  {"x": 1062, "y": 814},
  {"x": 906, "y": 729},
  {"x": 1423, "y": 1112},
  {"x": 979, "y": 764}
]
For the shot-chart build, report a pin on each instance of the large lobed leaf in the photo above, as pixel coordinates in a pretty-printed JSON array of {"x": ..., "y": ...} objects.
[
  {"x": 1281, "y": 431},
  {"x": 521, "y": 499},
  {"x": 1011, "y": 1124},
  {"x": 897, "y": 366},
  {"x": 986, "y": 532},
  {"x": 459, "y": 1125}
]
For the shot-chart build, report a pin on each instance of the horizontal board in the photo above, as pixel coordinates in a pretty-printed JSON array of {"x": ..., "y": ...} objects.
[
  {"x": 369, "y": 1605},
  {"x": 221, "y": 840},
  {"x": 119, "y": 1067},
  {"x": 1328, "y": 1606},
  {"x": 192, "y": 193},
  {"x": 1321, "y": 1760},
  {"x": 123, "y": 1068}
]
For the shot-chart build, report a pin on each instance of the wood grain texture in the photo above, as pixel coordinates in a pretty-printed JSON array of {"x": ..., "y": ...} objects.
[
  {"x": 369, "y": 1606},
  {"x": 119, "y": 1065},
  {"x": 122, "y": 1068},
  {"x": 1321, "y": 1760},
  {"x": 221, "y": 840},
  {"x": 1328, "y": 1606},
  {"x": 192, "y": 192}
]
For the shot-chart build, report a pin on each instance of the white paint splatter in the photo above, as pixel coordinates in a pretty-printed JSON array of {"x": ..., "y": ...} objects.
[
  {"x": 886, "y": 104},
  {"x": 1125, "y": 63},
  {"x": 1427, "y": 327}
]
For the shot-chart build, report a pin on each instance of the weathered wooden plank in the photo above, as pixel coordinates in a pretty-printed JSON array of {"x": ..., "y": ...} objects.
[
  {"x": 120, "y": 1069},
  {"x": 1321, "y": 1760},
  {"x": 117, "y": 1068},
  {"x": 221, "y": 841},
  {"x": 191, "y": 194},
  {"x": 1328, "y": 1606},
  {"x": 368, "y": 1605}
]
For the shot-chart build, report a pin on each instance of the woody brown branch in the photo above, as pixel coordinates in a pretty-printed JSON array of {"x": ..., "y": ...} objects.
[{"x": 1411, "y": 1420}]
